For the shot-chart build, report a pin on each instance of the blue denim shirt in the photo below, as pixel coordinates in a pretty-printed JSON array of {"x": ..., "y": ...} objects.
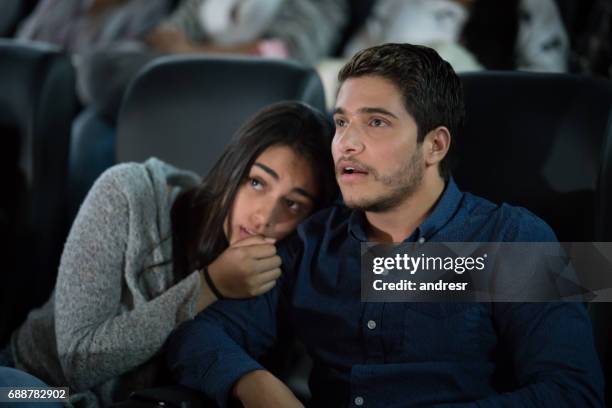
[{"x": 399, "y": 354}]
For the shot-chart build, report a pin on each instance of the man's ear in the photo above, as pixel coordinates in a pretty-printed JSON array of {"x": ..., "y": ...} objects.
[{"x": 436, "y": 145}]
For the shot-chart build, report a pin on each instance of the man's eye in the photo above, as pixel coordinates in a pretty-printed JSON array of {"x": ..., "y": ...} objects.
[
  {"x": 378, "y": 123},
  {"x": 340, "y": 122}
]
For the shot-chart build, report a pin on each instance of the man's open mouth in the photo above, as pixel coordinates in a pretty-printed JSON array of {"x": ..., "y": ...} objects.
[{"x": 348, "y": 168}]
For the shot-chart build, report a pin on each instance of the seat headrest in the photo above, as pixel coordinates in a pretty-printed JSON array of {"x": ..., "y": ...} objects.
[
  {"x": 536, "y": 140},
  {"x": 184, "y": 109}
]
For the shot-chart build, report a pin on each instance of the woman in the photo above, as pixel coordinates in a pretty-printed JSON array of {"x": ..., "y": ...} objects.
[
  {"x": 79, "y": 26},
  {"x": 151, "y": 248}
]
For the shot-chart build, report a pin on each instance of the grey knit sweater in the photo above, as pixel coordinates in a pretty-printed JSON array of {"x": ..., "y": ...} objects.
[{"x": 102, "y": 329}]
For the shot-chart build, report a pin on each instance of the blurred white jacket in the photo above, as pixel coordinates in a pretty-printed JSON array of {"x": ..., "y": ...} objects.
[{"x": 541, "y": 44}]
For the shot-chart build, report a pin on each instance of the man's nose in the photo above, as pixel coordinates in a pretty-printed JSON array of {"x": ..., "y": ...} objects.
[{"x": 349, "y": 141}]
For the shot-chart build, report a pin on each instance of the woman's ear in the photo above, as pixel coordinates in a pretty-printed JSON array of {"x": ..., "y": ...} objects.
[{"x": 436, "y": 145}]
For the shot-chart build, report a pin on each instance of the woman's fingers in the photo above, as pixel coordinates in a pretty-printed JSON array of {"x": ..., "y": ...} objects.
[
  {"x": 249, "y": 267},
  {"x": 264, "y": 278},
  {"x": 265, "y": 264},
  {"x": 254, "y": 240},
  {"x": 264, "y": 288},
  {"x": 259, "y": 251}
]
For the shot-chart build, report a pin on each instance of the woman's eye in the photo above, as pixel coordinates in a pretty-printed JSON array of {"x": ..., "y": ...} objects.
[
  {"x": 294, "y": 205},
  {"x": 255, "y": 183}
]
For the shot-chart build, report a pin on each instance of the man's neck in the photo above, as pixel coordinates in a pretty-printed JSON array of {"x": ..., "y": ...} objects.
[{"x": 400, "y": 222}]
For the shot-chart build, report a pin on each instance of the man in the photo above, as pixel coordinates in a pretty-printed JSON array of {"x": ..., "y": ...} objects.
[{"x": 397, "y": 110}]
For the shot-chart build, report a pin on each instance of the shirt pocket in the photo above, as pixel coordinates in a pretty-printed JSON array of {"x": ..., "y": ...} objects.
[{"x": 444, "y": 332}]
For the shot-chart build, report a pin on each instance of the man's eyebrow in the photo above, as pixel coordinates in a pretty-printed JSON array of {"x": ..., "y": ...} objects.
[
  {"x": 382, "y": 111},
  {"x": 274, "y": 175}
]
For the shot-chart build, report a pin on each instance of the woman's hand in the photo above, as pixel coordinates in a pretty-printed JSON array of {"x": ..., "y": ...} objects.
[
  {"x": 247, "y": 268},
  {"x": 262, "y": 389}
]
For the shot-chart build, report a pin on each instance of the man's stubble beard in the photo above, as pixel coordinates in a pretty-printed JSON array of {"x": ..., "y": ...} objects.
[{"x": 403, "y": 184}]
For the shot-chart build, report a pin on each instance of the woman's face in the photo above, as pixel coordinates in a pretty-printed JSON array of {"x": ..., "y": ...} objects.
[{"x": 276, "y": 196}]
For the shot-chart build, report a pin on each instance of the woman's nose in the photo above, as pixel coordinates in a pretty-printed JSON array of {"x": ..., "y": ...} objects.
[{"x": 263, "y": 216}]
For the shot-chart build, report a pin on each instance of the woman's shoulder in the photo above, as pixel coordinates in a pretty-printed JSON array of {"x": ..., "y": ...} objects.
[
  {"x": 122, "y": 173},
  {"x": 137, "y": 178}
]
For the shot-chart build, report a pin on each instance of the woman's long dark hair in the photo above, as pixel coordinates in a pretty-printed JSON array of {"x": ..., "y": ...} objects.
[{"x": 198, "y": 214}]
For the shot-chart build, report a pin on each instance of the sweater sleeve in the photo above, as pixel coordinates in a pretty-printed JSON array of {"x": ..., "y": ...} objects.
[{"x": 99, "y": 334}]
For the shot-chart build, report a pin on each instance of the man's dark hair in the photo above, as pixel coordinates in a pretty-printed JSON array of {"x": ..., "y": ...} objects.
[{"x": 431, "y": 89}]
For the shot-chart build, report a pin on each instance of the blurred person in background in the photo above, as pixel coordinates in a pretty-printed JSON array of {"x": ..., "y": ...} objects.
[
  {"x": 88, "y": 25},
  {"x": 469, "y": 34},
  {"x": 305, "y": 30},
  {"x": 85, "y": 27},
  {"x": 540, "y": 40},
  {"x": 302, "y": 30},
  {"x": 153, "y": 245},
  {"x": 113, "y": 39},
  {"x": 591, "y": 26},
  {"x": 435, "y": 23}
]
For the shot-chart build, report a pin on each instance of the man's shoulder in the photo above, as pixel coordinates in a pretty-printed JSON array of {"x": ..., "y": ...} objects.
[
  {"x": 511, "y": 223},
  {"x": 327, "y": 222},
  {"x": 523, "y": 225},
  {"x": 324, "y": 221}
]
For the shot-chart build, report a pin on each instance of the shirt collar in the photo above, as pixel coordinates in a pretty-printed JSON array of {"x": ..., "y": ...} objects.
[{"x": 442, "y": 213}]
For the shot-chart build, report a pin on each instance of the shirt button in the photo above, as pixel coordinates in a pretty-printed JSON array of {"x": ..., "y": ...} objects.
[
  {"x": 371, "y": 324},
  {"x": 422, "y": 240},
  {"x": 358, "y": 401}
]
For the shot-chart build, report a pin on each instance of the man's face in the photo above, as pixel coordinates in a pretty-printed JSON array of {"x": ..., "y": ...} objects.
[{"x": 378, "y": 161}]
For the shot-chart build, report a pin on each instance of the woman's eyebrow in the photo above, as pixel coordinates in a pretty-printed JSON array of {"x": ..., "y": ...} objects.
[
  {"x": 274, "y": 174},
  {"x": 304, "y": 193},
  {"x": 267, "y": 170}
]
